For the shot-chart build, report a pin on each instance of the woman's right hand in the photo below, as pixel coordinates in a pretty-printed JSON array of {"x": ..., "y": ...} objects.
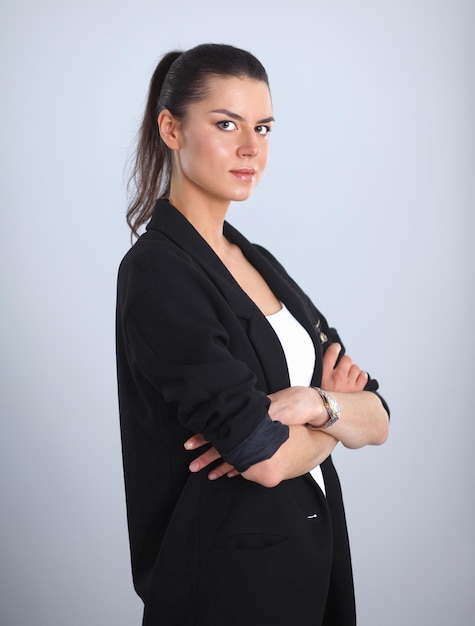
[{"x": 206, "y": 458}]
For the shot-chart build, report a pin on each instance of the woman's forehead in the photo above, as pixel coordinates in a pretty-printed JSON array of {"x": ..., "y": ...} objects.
[{"x": 242, "y": 95}]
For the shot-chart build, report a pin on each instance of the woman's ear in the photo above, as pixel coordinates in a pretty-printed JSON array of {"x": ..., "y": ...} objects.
[{"x": 168, "y": 129}]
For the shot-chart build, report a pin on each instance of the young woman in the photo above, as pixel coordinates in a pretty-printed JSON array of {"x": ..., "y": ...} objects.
[{"x": 216, "y": 343}]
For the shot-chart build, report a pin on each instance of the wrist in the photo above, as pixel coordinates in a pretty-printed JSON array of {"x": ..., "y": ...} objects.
[{"x": 329, "y": 413}]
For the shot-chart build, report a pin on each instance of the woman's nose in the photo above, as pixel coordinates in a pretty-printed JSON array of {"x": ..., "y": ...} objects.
[{"x": 249, "y": 146}]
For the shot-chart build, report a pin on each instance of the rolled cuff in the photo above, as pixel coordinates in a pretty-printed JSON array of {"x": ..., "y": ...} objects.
[
  {"x": 260, "y": 445},
  {"x": 373, "y": 385}
]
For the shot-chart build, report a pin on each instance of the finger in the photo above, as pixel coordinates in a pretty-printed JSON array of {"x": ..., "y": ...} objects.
[
  {"x": 331, "y": 355},
  {"x": 361, "y": 380},
  {"x": 233, "y": 473},
  {"x": 353, "y": 373},
  {"x": 204, "y": 460},
  {"x": 195, "y": 442},
  {"x": 344, "y": 375},
  {"x": 357, "y": 377},
  {"x": 344, "y": 364},
  {"x": 221, "y": 470}
]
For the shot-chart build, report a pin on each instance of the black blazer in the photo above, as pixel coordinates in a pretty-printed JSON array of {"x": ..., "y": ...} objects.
[{"x": 195, "y": 354}]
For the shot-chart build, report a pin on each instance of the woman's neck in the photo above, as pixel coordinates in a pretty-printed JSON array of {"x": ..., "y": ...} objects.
[{"x": 206, "y": 216}]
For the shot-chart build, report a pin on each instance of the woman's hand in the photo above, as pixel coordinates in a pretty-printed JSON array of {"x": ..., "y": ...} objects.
[
  {"x": 303, "y": 450},
  {"x": 345, "y": 376},
  {"x": 303, "y": 405},
  {"x": 363, "y": 419},
  {"x": 208, "y": 457},
  {"x": 297, "y": 406}
]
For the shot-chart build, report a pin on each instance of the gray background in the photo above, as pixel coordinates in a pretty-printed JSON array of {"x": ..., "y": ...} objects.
[{"x": 368, "y": 201}]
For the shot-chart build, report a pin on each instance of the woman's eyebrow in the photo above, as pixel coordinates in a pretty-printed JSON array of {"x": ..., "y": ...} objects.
[{"x": 236, "y": 116}]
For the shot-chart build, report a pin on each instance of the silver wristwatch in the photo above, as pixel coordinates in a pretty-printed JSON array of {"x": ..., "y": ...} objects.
[{"x": 332, "y": 407}]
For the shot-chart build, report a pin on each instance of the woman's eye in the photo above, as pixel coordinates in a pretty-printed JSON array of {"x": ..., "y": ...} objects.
[
  {"x": 226, "y": 125},
  {"x": 263, "y": 130}
]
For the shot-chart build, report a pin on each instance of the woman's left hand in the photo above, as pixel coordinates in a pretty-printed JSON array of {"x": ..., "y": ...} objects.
[
  {"x": 303, "y": 405},
  {"x": 208, "y": 457},
  {"x": 341, "y": 374}
]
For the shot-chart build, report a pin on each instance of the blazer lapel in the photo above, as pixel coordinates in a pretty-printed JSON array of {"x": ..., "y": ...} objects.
[
  {"x": 283, "y": 288},
  {"x": 169, "y": 221}
]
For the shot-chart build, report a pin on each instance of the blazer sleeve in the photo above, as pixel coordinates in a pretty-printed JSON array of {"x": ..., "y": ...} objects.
[{"x": 175, "y": 337}]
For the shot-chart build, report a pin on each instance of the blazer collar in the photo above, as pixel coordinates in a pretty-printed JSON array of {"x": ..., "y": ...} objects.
[{"x": 174, "y": 225}]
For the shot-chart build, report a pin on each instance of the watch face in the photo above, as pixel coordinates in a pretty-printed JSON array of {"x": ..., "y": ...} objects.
[{"x": 334, "y": 407}]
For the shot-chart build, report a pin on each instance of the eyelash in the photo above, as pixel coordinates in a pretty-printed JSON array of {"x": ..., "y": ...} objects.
[
  {"x": 267, "y": 129},
  {"x": 223, "y": 123}
]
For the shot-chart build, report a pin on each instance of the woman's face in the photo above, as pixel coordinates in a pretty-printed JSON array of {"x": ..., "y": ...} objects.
[{"x": 222, "y": 145}]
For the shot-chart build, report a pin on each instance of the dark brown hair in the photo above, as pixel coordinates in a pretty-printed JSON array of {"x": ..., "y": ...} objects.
[{"x": 179, "y": 79}]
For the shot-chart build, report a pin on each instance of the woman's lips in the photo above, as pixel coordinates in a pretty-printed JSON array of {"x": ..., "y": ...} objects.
[{"x": 244, "y": 174}]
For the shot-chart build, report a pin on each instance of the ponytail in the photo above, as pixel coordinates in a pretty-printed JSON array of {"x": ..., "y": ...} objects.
[{"x": 150, "y": 175}]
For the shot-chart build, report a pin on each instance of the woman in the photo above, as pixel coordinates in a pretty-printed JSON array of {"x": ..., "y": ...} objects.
[{"x": 216, "y": 343}]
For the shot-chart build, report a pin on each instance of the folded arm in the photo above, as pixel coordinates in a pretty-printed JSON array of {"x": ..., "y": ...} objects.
[
  {"x": 363, "y": 420},
  {"x": 302, "y": 451}
]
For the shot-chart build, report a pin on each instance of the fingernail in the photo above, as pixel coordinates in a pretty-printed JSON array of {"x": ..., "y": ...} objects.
[
  {"x": 212, "y": 476},
  {"x": 188, "y": 445},
  {"x": 194, "y": 466}
]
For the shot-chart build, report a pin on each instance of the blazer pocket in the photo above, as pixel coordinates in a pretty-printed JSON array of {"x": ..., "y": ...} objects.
[{"x": 246, "y": 581}]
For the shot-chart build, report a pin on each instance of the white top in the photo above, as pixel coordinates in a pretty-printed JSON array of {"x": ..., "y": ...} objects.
[{"x": 300, "y": 356}]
